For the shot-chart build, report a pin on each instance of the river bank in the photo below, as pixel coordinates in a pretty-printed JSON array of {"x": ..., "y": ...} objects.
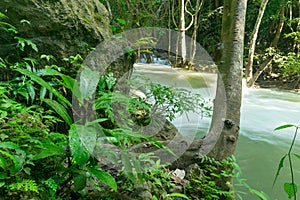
[{"x": 279, "y": 84}]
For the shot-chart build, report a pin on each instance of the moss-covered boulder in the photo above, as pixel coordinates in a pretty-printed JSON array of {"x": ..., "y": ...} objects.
[{"x": 59, "y": 27}]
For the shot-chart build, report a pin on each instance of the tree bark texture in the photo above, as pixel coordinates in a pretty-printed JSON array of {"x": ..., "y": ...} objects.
[{"x": 226, "y": 117}]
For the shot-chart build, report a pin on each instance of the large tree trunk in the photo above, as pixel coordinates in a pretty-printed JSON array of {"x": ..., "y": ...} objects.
[
  {"x": 249, "y": 67},
  {"x": 229, "y": 91}
]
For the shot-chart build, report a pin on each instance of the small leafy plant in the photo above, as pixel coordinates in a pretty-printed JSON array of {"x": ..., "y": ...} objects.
[{"x": 290, "y": 188}]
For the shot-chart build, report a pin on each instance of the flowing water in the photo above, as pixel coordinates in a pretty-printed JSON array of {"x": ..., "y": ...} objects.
[{"x": 259, "y": 148}]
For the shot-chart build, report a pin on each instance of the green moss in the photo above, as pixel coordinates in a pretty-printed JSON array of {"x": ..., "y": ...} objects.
[{"x": 98, "y": 17}]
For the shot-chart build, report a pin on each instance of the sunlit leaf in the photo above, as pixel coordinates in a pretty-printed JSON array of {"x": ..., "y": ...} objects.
[
  {"x": 280, "y": 165},
  {"x": 2, "y": 15},
  {"x": 261, "y": 195},
  {"x": 88, "y": 82},
  {"x": 96, "y": 121},
  {"x": 296, "y": 155},
  {"x": 79, "y": 152},
  {"x": 49, "y": 150},
  {"x": 43, "y": 83},
  {"x": 121, "y": 21},
  {"x": 59, "y": 109},
  {"x": 88, "y": 137},
  {"x": 290, "y": 189},
  {"x": 24, "y": 21},
  {"x": 284, "y": 127},
  {"x": 3, "y": 163},
  {"x": 9, "y": 145},
  {"x": 178, "y": 195},
  {"x": 43, "y": 92},
  {"x": 31, "y": 92}
]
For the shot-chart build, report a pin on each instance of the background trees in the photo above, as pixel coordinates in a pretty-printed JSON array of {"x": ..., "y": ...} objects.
[{"x": 275, "y": 36}]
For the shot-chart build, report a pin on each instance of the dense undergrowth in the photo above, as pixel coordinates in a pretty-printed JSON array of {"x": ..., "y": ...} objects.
[
  {"x": 49, "y": 150},
  {"x": 45, "y": 153}
]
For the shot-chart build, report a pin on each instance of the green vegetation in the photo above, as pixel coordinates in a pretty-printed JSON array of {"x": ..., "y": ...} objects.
[
  {"x": 48, "y": 150},
  {"x": 290, "y": 188},
  {"x": 46, "y": 153}
]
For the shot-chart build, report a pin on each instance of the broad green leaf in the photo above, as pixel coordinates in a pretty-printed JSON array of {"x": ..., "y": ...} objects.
[
  {"x": 88, "y": 137},
  {"x": 88, "y": 82},
  {"x": 261, "y": 195},
  {"x": 105, "y": 177},
  {"x": 27, "y": 170},
  {"x": 290, "y": 189},
  {"x": 127, "y": 164},
  {"x": 31, "y": 92},
  {"x": 43, "y": 83},
  {"x": 3, "y": 175},
  {"x": 79, "y": 181},
  {"x": 154, "y": 197},
  {"x": 3, "y": 114},
  {"x": 3, "y": 163},
  {"x": 7, "y": 154},
  {"x": 2, "y": 183},
  {"x": 33, "y": 46},
  {"x": 18, "y": 161},
  {"x": 296, "y": 155},
  {"x": 49, "y": 150},
  {"x": 177, "y": 195},
  {"x": 69, "y": 82},
  {"x": 59, "y": 109},
  {"x": 23, "y": 93},
  {"x": 48, "y": 71},
  {"x": 121, "y": 21},
  {"x": 9, "y": 145},
  {"x": 284, "y": 127},
  {"x": 43, "y": 92},
  {"x": 96, "y": 121},
  {"x": 2, "y": 15},
  {"x": 21, "y": 41},
  {"x": 79, "y": 152},
  {"x": 280, "y": 165}
]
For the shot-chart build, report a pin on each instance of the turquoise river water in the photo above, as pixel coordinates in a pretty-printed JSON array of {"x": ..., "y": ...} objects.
[{"x": 259, "y": 148}]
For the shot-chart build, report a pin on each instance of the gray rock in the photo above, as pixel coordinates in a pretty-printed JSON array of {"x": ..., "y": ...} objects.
[{"x": 61, "y": 28}]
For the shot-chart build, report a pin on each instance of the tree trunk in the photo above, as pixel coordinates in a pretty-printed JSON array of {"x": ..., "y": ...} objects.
[
  {"x": 250, "y": 78},
  {"x": 297, "y": 39},
  {"x": 279, "y": 28},
  {"x": 193, "y": 49},
  {"x": 225, "y": 128},
  {"x": 249, "y": 67},
  {"x": 182, "y": 32}
]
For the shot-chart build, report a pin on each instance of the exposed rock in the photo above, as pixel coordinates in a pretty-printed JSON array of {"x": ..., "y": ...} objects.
[
  {"x": 61, "y": 28},
  {"x": 142, "y": 192},
  {"x": 185, "y": 152}
]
